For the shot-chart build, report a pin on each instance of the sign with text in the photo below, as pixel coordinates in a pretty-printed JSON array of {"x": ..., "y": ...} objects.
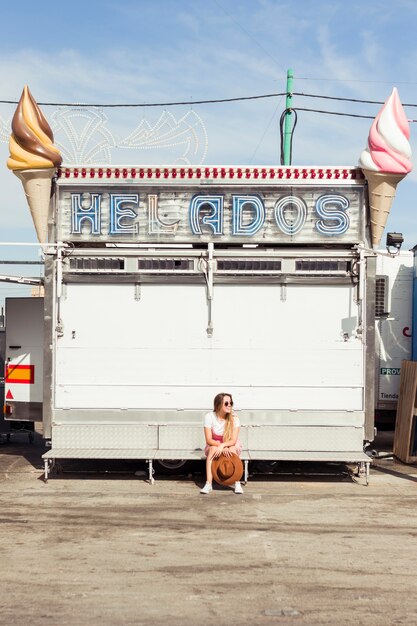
[{"x": 135, "y": 214}]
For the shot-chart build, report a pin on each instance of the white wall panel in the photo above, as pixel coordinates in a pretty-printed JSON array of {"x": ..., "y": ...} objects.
[
  {"x": 185, "y": 397},
  {"x": 197, "y": 367},
  {"x": 275, "y": 349}
]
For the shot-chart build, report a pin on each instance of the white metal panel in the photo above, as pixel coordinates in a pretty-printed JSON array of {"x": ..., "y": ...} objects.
[
  {"x": 180, "y": 436},
  {"x": 346, "y": 456},
  {"x": 99, "y": 453},
  {"x": 331, "y": 439},
  {"x": 186, "y": 367},
  {"x": 187, "y": 397},
  {"x": 275, "y": 349},
  {"x": 108, "y": 316},
  {"x": 112, "y": 436},
  {"x": 193, "y": 416}
]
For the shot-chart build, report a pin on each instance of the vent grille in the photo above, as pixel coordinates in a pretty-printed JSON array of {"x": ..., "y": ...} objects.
[
  {"x": 165, "y": 265},
  {"x": 381, "y": 296},
  {"x": 92, "y": 264},
  {"x": 253, "y": 266},
  {"x": 322, "y": 266}
]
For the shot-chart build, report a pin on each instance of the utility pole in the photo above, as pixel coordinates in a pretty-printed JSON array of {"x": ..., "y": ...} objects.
[{"x": 288, "y": 119}]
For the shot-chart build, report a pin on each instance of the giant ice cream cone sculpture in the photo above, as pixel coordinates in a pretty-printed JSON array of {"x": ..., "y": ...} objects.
[
  {"x": 34, "y": 158},
  {"x": 385, "y": 162}
]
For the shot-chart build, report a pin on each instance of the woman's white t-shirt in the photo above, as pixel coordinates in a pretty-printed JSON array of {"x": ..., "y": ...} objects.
[{"x": 217, "y": 425}]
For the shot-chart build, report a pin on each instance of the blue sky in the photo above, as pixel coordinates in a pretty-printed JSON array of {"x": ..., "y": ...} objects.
[{"x": 161, "y": 50}]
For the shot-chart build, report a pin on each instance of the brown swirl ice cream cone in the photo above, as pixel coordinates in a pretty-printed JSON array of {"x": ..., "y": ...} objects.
[{"x": 34, "y": 159}]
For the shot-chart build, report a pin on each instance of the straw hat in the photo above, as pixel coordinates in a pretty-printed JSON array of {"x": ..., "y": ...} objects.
[{"x": 227, "y": 470}]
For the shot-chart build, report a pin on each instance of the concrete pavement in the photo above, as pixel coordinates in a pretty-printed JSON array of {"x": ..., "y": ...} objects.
[{"x": 304, "y": 545}]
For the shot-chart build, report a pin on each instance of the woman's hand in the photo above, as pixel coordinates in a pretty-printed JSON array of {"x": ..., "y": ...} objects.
[
  {"x": 218, "y": 452},
  {"x": 222, "y": 449}
]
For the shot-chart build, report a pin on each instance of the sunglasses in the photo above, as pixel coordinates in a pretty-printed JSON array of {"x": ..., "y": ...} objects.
[{"x": 227, "y": 403}]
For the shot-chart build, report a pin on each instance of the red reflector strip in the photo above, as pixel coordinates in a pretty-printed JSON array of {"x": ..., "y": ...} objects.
[{"x": 20, "y": 374}]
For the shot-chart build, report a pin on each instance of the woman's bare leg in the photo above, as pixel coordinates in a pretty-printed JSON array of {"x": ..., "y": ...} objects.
[{"x": 208, "y": 464}]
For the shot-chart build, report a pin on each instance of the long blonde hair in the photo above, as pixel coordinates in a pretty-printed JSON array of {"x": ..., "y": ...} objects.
[{"x": 229, "y": 418}]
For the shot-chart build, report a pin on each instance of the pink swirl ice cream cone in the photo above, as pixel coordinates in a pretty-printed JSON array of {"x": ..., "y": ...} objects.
[
  {"x": 385, "y": 162},
  {"x": 34, "y": 159}
]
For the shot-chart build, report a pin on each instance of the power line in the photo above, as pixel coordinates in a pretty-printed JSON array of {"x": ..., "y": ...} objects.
[
  {"x": 212, "y": 101},
  {"x": 370, "y": 117},
  {"x": 238, "y": 99},
  {"x": 281, "y": 132},
  {"x": 314, "y": 95},
  {"x": 8, "y": 262},
  {"x": 265, "y": 131},
  {"x": 366, "y": 117},
  {"x": 358, "y": 80},
  {"x": 150, "y": 104},
  {"x": 248, "y": 34}
]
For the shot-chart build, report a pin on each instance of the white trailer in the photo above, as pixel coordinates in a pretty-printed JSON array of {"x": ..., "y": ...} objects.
[
  {"x": 2, "y": 355},
  {"x": 164, "y": 286},
  {"x": 393, "y": 323},
  {"x": 23, "y": 380}
]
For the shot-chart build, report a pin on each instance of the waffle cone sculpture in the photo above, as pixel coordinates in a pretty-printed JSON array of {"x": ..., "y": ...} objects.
[
  {"x": 34, "y": 159},
  {"x": 381, "y": 192},
  {"x": 37, "y": 187}
]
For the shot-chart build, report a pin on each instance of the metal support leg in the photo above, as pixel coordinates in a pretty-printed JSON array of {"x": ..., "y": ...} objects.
[
  {"x": 46, "y": 470},
  {"x": 246, "y": 472},
  {"x": 363, "y": 470},
  {"x": 151, "y": 472}
]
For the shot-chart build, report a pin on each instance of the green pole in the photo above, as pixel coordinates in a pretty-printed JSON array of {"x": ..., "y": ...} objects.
[{"x": 288, "y": 120}]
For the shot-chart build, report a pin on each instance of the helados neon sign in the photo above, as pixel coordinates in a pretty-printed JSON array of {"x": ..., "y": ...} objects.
[{"x": 228, "y": 215}]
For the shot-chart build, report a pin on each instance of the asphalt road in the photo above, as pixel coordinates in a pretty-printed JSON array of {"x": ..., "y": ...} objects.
[{"x": 304, "y": 545}]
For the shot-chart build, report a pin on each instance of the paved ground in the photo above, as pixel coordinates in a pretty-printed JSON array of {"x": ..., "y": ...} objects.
[{"x": 305, "y": 545}]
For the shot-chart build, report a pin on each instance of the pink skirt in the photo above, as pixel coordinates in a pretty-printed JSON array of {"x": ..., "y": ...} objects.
[{"x": 238, "y": 444}]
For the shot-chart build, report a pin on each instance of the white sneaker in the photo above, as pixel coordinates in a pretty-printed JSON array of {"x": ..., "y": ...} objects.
[
  {"x": 207, "y": 488},
  {"x": 238, "y": 488}
]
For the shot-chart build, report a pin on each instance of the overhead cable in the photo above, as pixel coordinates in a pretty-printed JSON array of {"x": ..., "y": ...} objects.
[
  {"x": 214, "y": 101},
  {"x": 365, "y": 117},
  {"x": 150, "y": 104},
  {"x": 314, "y": 95},
  {"x": 281, "y": 132}
]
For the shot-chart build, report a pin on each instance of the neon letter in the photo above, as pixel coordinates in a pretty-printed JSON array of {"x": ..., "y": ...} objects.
[
  {"x": 92, "y": 214},
  {"x": 156, "y": 225},
  {"x": 332, "y": 210},
  {"x": 118, "y": 214},
  {"x": 214, "y": 219},
  {"x": 293, "y": 223},
  {"x": 254, "y": 204}
]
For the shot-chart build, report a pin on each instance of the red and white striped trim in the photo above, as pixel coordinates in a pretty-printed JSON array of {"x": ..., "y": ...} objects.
[{"x": 212, "y": 172}]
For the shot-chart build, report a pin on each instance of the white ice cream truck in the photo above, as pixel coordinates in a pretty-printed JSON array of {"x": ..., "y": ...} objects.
[{"x": 165, "y": 286}]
